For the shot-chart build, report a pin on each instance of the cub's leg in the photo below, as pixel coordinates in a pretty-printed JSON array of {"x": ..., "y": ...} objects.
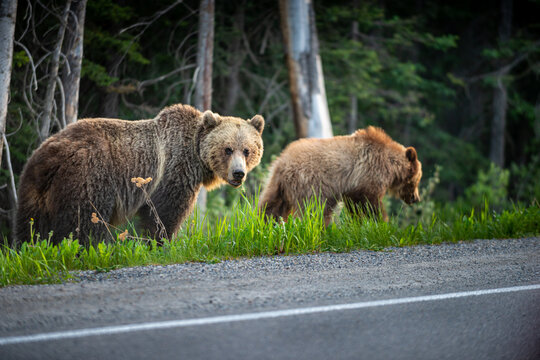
[{"x": 365, "y": 204}]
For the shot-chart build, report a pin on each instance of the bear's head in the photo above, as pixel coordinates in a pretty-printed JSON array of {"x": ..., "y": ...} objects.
[
  {"x": 407, "y": 188},
  {"x": 232, "y": 147}
]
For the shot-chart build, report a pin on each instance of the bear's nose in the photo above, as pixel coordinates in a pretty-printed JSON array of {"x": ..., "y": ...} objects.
[{"x": 238, "y": 174}]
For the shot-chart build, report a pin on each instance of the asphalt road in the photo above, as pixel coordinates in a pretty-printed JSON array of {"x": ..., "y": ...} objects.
[{"x": 453, "y": 301}]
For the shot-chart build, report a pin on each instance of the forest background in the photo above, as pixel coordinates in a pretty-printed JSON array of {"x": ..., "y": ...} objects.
[{"x": 458, "y": 80}]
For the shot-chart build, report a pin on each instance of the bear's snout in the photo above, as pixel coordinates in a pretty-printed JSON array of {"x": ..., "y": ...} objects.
[
  {"x": 237, "y": 170},
  {"x": 238, "y": 174},
  {"x": 414, "y": 199}
]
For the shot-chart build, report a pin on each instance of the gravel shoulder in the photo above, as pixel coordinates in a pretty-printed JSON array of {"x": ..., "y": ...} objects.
[{"x": 192, "y": 290}]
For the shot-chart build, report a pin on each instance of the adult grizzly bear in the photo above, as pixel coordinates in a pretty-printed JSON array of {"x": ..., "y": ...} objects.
[
  {"x": 87, "y": 168},
  {"x": 358, "y": 169}
]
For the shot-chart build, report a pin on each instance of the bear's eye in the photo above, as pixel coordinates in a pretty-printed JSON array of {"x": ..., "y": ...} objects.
[
  {"x": 246, "y": 152},
  {"x": 228, "y": 151}
]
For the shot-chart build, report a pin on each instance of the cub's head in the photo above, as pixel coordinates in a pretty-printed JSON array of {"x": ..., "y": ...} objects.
[
  {"x": 232, "y": 146},
  {"x": 407, "y": 188}
]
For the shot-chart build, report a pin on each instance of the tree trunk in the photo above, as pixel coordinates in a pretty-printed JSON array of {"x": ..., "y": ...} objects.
[
  {"x": 8, "y": 14},
  {"x": 203, "y": 85},
  {"x": 45, "y": 118},
  {"x": 205, "y": 51},
  {"x": 498, "y": 126},
  {"x": 12, "y": 190},
  {"x": 237, "y": 58},
  {"x": 109, "y": 106},
  {"x": 306, "y": 81},
  {"x": 353, "y": 116},
  {"x": 74, "y": 55},
  {"x": 500, "y": 96}
]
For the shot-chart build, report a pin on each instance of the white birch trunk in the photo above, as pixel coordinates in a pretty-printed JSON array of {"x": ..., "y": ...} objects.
[
  {"x": 203, "y": 84},
  {"x": 205, "y": 52},
  {"x": 500, "y": 94},
  {"x": 306, "y": 79},
  {"x": 74, "y": 55},
  {"x": 498, "y": 126},
  {"x": 353, "y": 115},
  {"x": 46, "y": 116},
  {"x": 8, "y": 12}
]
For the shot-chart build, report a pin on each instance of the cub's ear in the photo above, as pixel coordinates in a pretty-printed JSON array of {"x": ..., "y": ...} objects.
[
  {"x": 210, "y": 119},
  {"x": 411, "y": 154},
  {"x": 258, "y": 123}
]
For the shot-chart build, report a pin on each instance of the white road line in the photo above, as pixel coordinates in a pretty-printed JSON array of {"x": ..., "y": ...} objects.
[{"x": 108, "y": 330}]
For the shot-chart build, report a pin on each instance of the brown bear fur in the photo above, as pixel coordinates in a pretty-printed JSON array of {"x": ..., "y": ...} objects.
[
  {"x": 88, "y": 167},
  {"x": 357, "y": 169}
]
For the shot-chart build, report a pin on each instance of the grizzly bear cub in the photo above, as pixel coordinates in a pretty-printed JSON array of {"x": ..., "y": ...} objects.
[
  {"x": 89, "y": 174},
  {"x": 357, "y": 169}
]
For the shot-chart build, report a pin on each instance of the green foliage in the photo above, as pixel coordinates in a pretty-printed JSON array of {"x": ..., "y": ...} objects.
[
  {"x": 491, "y": 187},
  {"x": 99, "y": 40},
  {"x": 21, "y": 137},
  {"x": 524, "y": 180},
  {"x": 20, "y": 58},
  {"x": 377, "y": 69},
  {"x": 459, "y": 160},
  {"x": 244, "y": 232},
  {"x": 108, "y": 10},
  {"x": 422, "y": 211},
  {"x": 441, "y": 43},
  {"x": 37, "y": 262},
  {"x": 456, "y": 81},
  {"x": 497, "y": 53},
  {"x": 525, "y": 110},
  {"x": 96, "y": 73}
]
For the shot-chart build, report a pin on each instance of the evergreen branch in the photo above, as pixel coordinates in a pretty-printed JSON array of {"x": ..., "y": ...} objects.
[{"x": 507, "y": 68}]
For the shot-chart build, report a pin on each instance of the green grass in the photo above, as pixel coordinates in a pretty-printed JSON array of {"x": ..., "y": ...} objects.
[{"x": 245, "y": 233}]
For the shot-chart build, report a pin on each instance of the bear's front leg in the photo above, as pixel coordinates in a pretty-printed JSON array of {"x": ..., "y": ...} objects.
[
  {"x": 275, "y": 208},
  {"x": 329, "y": 208},
  {"x": 365, "y": 203}
]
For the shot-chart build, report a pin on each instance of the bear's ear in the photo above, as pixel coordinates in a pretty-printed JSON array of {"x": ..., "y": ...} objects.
[
  {"x": 411, "y": 154},
  {"x": 210, "y": 119},
  {"x": 258, "y": 123}
]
